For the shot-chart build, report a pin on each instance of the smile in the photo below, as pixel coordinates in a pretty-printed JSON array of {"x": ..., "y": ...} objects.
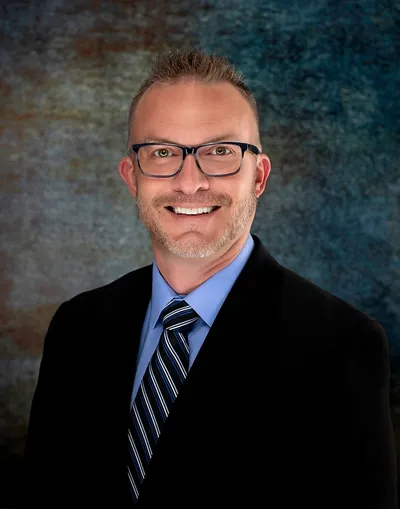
[{"x": 195, "y": 212}]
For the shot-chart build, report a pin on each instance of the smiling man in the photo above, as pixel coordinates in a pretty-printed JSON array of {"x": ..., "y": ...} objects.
[{"x": 214, "y": 376}]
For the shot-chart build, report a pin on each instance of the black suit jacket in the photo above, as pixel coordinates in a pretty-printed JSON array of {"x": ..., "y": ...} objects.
[{"x": 286, "y": 404}]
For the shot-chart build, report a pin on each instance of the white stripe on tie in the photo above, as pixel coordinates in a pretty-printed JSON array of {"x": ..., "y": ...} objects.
[
  {"x": 175, "y": 312},
  {"x": 175, "y": 356},
  {"x": 156, "y": 387},
  {"x": 183, "y": 341},
  {"x": 181, "y": 324},
  {"x": 133, "y": 484},
  {"x": 135, "y": 452},
  {"x": 144, "y": 434},
  {"x": 148, "y": 406},
  {"x": 167, "y": 375}
]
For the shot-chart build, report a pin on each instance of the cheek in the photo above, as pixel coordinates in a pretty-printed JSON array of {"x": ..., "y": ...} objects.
[
  {"x": 152, "y": 194},
  {"x": 243, "y": 189}
]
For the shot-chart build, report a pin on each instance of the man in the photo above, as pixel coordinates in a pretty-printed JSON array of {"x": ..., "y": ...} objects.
[{"x": 215, "y": 376}]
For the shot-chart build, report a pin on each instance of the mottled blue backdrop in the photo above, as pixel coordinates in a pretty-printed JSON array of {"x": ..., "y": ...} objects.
[{"x": 325, "y": 74}]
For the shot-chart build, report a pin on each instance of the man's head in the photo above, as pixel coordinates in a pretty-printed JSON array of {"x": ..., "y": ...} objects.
[{"x": 189, "y": 99}]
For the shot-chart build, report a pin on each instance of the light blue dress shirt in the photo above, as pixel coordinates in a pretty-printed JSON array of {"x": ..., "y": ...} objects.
[{"x": 206, "y": 300}]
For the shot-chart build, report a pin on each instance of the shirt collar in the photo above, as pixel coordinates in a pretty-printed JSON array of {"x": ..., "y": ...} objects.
[{"x": 219, "y": 285}]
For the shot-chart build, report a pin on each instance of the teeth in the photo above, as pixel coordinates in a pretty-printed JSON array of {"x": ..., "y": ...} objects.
[{"x": 204, "y": 210}]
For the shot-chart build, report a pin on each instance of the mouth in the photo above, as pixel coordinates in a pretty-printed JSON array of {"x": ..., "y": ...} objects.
[{"x": 192, "y": 213}]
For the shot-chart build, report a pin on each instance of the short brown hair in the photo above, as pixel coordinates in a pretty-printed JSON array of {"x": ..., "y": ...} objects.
[{"x": 172, "y": 67}]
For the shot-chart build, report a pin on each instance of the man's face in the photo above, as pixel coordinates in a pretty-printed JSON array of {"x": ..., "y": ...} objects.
[{"x": 191, "y": 113}]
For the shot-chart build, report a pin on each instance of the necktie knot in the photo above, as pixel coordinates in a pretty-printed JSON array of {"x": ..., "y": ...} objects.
[{"x": 178, "y": 316}]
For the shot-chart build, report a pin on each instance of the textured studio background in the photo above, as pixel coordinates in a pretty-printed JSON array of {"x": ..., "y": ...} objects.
[{"x": 325, "y": 73}]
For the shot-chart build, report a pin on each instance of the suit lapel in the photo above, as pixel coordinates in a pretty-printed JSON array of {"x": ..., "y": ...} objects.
[
  {"x": 133, "y": 300},
  {"x": 239, "y": 318}
]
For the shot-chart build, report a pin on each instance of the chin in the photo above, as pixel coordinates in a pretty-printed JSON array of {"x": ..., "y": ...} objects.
[{"x": 191, "y": 246}]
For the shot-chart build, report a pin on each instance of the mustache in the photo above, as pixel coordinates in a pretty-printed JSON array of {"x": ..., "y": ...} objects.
[{"x": 197, "y": 199}]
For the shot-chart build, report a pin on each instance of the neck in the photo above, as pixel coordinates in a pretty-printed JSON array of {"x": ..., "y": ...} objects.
[{"x": 186, "y": 274}]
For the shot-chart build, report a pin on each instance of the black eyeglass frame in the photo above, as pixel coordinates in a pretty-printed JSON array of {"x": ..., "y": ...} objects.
[{"x": 193, "y": 151}]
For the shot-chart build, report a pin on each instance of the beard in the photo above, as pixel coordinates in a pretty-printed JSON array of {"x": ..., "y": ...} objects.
[{"x": 190, "y": 244}]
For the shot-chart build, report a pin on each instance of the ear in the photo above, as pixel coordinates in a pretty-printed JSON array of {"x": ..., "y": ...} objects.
[
  {"x": 127, "y": 171},
  {"x": 262, "y": 173}
]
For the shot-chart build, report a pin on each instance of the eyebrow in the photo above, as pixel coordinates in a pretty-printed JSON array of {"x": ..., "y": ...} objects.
[{"x": 155, "y": 139}]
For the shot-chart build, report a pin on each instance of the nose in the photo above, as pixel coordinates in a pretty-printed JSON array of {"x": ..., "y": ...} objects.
[{"x": 190, "y": 179}]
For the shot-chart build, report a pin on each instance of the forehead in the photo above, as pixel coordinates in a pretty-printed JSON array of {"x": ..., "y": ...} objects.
[{"x": 191, "y": 112}]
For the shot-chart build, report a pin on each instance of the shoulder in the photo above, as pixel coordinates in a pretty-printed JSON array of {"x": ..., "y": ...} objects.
[
  {"x": 93, "y": 315},
  {"x": 334, "y": 326},
  {"x": 135, "y": 281},
  {"x": 297, "y": 297},
  {"x": 105, "y": 301}
]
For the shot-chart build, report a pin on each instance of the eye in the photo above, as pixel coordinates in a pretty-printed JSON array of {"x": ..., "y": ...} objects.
[
  {"x": 162, "y": 153},
  {"x": 220, "y": 150}
]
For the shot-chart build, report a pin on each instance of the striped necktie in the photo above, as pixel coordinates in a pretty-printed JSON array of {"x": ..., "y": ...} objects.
[{"x": 165, "y": 374}]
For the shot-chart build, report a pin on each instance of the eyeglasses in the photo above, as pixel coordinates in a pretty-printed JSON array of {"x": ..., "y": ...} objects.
[{"x": 213, "y": 159}]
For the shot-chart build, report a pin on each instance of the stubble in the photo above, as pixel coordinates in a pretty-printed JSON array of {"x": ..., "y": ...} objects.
[{"x": 196, "y": 245}]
